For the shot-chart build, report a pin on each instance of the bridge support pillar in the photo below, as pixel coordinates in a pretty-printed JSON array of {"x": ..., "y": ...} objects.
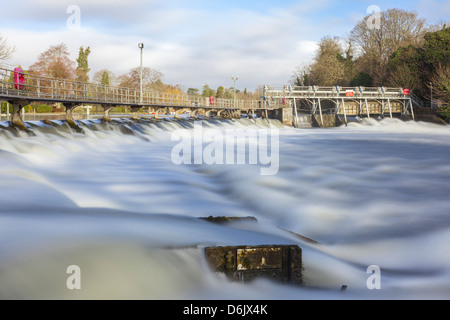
[
  {"x": 158, "y": 111},
  {"x": 107, "y": 108},
  {"x": 16, "y": 118},
  {"x": 196, "y": 112},
  {"x": 285, "y": 115},
  {"x": 179, "y": 111},
  {"x": 134, "y": 110},
  {"x": 69, "y": 116}
]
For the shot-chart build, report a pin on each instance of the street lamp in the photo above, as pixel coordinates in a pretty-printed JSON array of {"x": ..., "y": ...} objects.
[
  {"x": 431, "y": 99},
  {"x": 234, "y": 79},
  {"x": 141, "y": 46}
]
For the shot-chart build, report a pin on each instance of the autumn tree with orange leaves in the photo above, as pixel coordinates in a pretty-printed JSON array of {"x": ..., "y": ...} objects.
[{"x": 55, "y": 63}]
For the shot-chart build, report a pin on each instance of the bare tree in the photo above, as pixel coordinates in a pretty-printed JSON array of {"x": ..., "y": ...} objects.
[
  {"x": 6, "y": 50},
  {"x": 301, "y": 75},
  {"x": 150, "y": 78},
  {"x": 441, "y": 24},
  {"x": 397, "y": 28}
]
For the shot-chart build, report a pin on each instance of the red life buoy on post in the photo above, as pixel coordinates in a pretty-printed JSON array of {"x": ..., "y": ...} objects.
[{"x": 19, "y": 78}]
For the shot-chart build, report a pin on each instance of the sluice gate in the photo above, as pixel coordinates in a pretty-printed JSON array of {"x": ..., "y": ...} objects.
[{"x": 333, "y": 106}]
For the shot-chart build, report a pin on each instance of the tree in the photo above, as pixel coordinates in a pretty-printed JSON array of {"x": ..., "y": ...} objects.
[
  {"x": 301, "y": 76},
  {"x": 220, "y": 94},
  {"x": 151, "y": 79},
  {"x": 83, "y": 66},
  {"x": 437, "y": 46},
  {"x": 397, "y": 28},
  {"x": 193, "y": 91},
  {"x": 348, "y": 64},
  {"x": 6, "y": 50},
  {"x": 437, "y": 58},
  {"x": 104, "y": 77},
  {"x": 328, "y": 68},
  {"x": 362, "y": 79},
  {"x": 412, "y": 67},
  {"x": 208, "y": 92},
  {"x": 440, "y": 80},
  {"x": 404, "y": 68},
  {"x": 55, "y": 63}
]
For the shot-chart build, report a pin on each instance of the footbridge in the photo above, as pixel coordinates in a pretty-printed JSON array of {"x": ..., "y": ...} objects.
[
  {"x": 321, "y": 106},
  {"x": 73, "y": 94}
]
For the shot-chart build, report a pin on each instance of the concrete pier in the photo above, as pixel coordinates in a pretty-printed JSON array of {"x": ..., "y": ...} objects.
[
  {"x": 16, "y": 118},
  {"x": 69, "y": 116}
]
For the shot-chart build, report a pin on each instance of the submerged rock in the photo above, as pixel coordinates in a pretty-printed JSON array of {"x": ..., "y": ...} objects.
[{"x": 224, "y": 219}]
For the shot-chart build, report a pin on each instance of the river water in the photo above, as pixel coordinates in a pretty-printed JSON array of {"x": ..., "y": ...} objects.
[{"x": 117, "y": 202}]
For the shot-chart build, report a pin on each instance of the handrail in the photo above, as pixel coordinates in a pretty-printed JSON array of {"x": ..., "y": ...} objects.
[
  {"x": 333, "y": 92},
  {"x": 36, "y": 87},
  {"x": 46, "y": 88}
]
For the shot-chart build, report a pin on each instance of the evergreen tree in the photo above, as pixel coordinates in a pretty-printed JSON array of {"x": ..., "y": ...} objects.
[
  {"x": 105, "y": 78},
  {"x": 193, "y": 91},
  {"x": 208, "y": 92},
  {"x": 220, "y": 92},
  {"x": 82, "y": 65}
]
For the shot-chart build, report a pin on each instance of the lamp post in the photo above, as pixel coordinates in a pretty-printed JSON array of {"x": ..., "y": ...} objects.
[
  {"x": 431, "y": 98},
  {"x": 141, "y": 46},
  {"x": 234, "y": 79}
]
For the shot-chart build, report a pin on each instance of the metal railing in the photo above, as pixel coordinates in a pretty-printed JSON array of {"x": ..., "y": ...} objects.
[
  {"x": 334, "y": 92},
  {"x": 34, "y": 87}
]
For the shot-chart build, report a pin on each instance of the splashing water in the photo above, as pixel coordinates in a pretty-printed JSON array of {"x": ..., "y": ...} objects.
[{"x": 111, "y": 201}]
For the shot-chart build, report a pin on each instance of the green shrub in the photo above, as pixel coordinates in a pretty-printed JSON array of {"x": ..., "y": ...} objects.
[
  {"x": 43, "y": 108},
  {"x": 444, "y": 113}
]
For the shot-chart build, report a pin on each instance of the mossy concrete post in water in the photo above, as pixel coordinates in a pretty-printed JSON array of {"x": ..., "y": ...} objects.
[
  {"x": 158, "y": 111},
  {"x": 69, "y": 116},
  {"x": 107, "y": 108},
  {"x": 281, "y": 263},
  {"x": 16, "y": 118},
  {"x": 134, "y": 110}
]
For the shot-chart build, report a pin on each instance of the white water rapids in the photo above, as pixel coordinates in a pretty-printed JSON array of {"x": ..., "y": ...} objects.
[{"x": 115, "y": 204}]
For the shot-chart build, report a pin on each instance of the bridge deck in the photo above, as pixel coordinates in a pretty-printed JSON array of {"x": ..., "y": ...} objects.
[{"x": 38, "y": 88}]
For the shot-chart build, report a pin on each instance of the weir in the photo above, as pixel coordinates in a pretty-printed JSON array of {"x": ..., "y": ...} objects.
[
  {"x": 332, "y": 106},
  {"x": 326, "y": 106}
]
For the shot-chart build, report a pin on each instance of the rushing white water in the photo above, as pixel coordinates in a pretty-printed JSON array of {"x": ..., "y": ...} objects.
[{"x": 111, "y": 201}]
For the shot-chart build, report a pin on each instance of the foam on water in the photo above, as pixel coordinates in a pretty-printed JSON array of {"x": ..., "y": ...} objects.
[{"x": 111, "y": 200}]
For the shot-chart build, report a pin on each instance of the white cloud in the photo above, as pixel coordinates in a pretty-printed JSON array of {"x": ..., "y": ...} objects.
[{"x": 190, "y": 44}]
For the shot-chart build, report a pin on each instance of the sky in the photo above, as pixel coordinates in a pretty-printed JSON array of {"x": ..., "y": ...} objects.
[{"x": 192, "y": 42}]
